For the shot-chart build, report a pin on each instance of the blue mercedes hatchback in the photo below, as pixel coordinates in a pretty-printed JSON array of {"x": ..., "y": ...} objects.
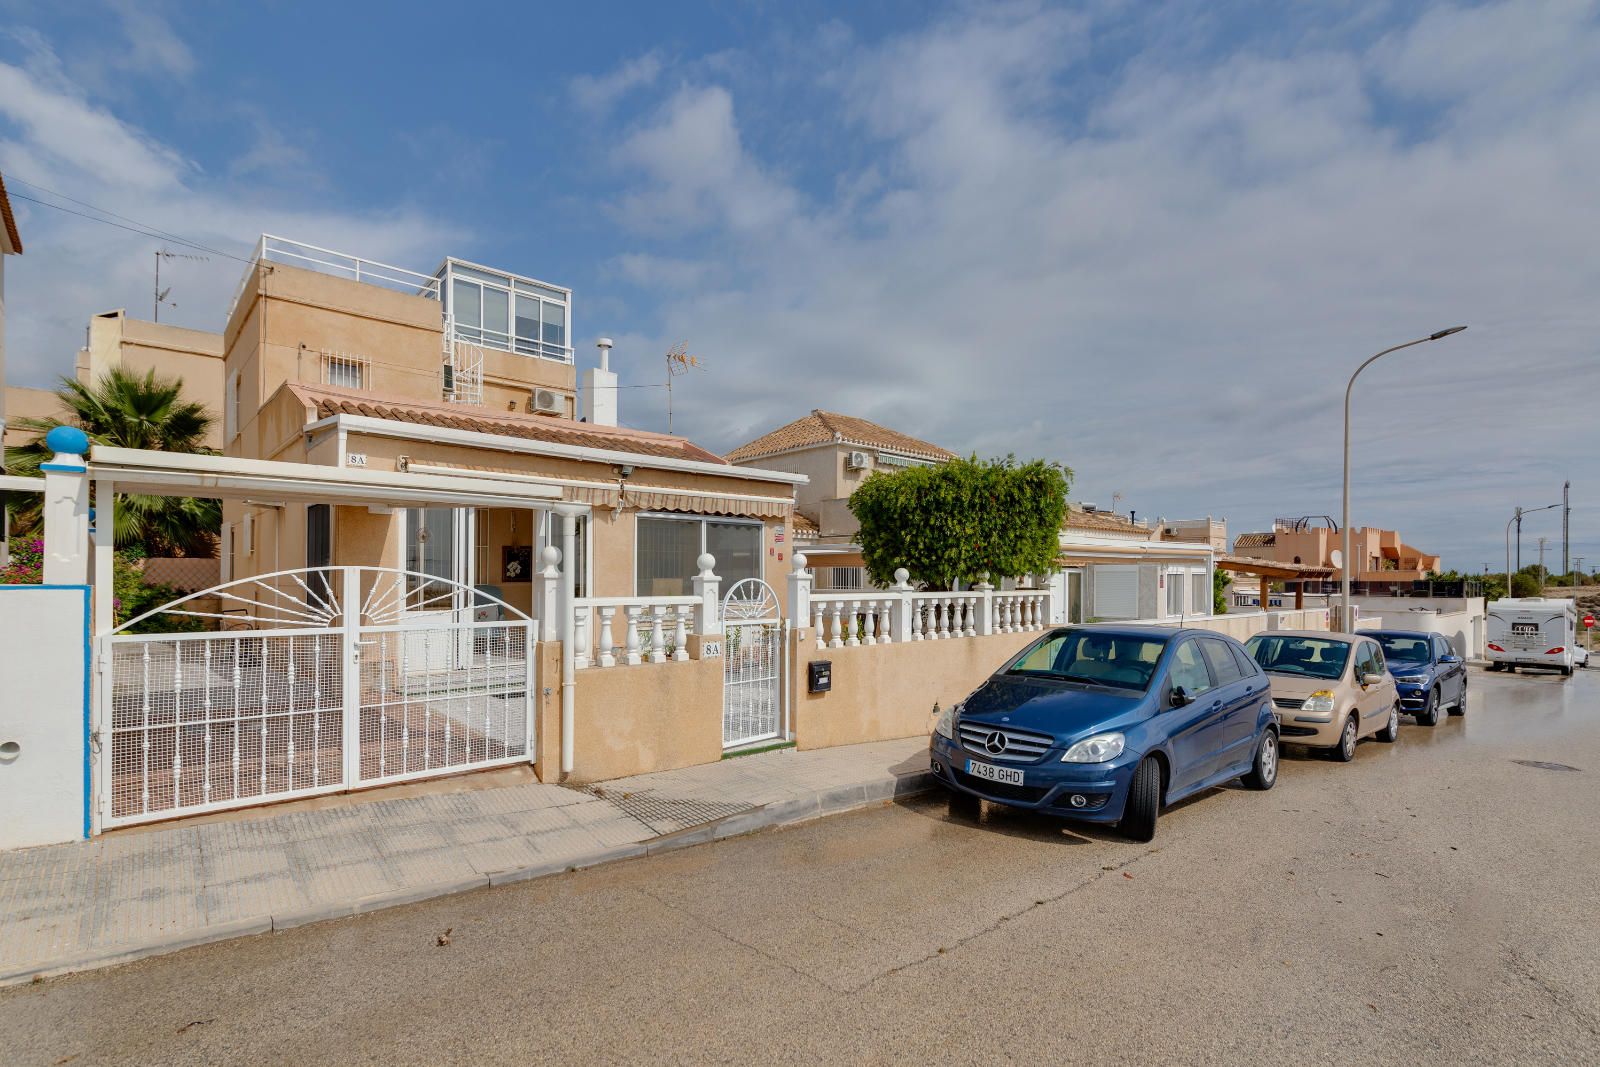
[{"x": 1111, "y": 724}]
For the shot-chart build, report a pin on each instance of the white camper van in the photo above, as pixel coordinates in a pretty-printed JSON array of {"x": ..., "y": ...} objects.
[{"x": 1532, "y": 632}]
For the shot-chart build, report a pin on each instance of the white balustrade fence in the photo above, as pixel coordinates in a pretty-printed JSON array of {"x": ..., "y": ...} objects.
[
  {"x": 612, "y": 630},
  {"x": 849, "y": 620}
]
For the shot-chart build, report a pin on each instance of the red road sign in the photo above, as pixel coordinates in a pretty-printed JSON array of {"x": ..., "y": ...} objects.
[{"x": 1588, "y": 622}]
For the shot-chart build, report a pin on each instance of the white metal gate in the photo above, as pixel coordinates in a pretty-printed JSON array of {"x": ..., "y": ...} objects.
[
  {"x": 752, "y": 666},
  {"x": 288, "y": 694}
]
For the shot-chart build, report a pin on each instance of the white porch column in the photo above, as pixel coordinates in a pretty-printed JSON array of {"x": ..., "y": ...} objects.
[
  {"x": 569, "y": 585},
  {"x": 800, "y": 593},
  {"x": 900, "y": 620},
  {"x": 985, "y": 605},
  {"x": 707, "y": 587},
  {"x": 66, "y": 508}
]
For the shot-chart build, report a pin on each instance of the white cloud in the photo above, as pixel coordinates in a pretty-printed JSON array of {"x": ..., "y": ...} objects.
[
  {"x": 1165, "y": 279},
  {"x": 596, "y": 93},
  {"x": 54, "y": 135}
]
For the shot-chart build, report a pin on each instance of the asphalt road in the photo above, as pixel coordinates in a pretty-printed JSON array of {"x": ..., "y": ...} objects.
[{"x": 1433, "y": 902}]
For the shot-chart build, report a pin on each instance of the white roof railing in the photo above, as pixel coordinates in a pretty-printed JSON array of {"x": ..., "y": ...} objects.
[{"x": 271, "y": 249}]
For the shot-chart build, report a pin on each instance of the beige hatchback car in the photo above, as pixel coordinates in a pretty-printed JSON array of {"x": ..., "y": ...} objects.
[{"x": 1329, "y": 690}]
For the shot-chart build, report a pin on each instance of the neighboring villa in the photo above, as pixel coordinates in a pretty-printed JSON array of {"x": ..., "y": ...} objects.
[
  {"x": 836, "y": 453},
  {"x": 1311, "y": 540},
  {"x": 1112, "y": 567}
]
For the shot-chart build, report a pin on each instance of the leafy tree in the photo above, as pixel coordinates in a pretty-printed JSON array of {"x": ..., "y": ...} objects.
[
  {"x": 126, "y": 410},
  {"x": 953, "y": 522},
  {"x": 1220, "y": 580},
  {"x": 1525, "y": 584}
]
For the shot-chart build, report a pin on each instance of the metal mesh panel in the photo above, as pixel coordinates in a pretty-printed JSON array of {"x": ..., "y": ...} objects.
[
  {"x": 442, "y": 697},
  {"x": 210, "y": 720},
  {"x": 752, "y": 669}
]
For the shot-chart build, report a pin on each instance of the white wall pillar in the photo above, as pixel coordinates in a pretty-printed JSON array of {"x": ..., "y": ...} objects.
[
  {"x": 800, "y": 593},
  {"x": 707, "y": 590},
  {"x": 985, "y": 591},
  {"x": 66, "y": 508},
  {"x": 900, "y": 621},
  {"x": 547, "y": 606}
]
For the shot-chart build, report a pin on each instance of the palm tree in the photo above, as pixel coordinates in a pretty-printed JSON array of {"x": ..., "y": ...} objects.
[{"x": 126, "y": 410}]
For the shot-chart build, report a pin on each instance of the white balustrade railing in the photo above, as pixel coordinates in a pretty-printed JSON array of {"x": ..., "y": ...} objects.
[
  {"x": 881, "y": 617},
  {"x": 612, "y": 630}
]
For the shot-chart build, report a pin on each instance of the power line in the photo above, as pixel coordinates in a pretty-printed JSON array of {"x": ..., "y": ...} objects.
[
  {"x": 143, "y": 229},
  {"x": 113, "y": 214}
]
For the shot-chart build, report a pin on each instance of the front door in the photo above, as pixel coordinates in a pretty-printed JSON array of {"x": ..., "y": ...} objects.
[{"x": 439, "y": 572}]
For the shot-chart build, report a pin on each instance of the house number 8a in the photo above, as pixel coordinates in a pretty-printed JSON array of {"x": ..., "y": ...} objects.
[{"x": 711, "y": 650}]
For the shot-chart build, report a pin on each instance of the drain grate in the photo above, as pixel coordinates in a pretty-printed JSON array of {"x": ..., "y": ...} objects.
[
  {"x": 1543, "y": 765},
  {"x": 667, "y": 815}
]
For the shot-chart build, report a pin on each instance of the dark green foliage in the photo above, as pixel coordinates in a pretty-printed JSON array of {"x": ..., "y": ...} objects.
[
  {"x": 127, "y": 410},
  {"x": 955, "y": 521}
]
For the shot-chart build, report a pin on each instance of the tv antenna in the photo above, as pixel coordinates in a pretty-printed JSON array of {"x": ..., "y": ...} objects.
[
  {"x": 679, "y": 361},
  {"x": 160, "y": 293}
]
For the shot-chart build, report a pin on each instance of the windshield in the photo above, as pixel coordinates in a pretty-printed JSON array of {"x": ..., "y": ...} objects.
[
  {"x": 1405, "y": 649},
  {"x": 1307, "y": 657},
  {"x": 1121, "y": 661}
]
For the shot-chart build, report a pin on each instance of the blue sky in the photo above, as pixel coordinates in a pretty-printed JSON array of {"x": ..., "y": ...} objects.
[{"x": 1147, "y": 240}]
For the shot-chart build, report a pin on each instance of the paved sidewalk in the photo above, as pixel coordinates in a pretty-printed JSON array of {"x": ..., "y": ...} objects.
[{"x": 132, "y": 894}]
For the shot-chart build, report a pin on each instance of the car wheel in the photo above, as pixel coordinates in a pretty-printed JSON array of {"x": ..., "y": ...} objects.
[
  {"x": 1263, "y": 773},
  {"x": 1144, "y": 803},
  {"x": 1345, "y": 750},
  {"x": 1461, "y": 701},
  {"x": 1391, "y": 732},
  {"x": 1429, "y": 715},
  {"x": 1566, "y": 672}
]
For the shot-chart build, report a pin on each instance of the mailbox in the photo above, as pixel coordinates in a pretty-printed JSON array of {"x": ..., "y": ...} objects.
[{"x": 819, "y": 676}]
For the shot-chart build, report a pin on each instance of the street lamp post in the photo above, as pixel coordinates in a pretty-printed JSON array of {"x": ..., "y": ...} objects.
[
  {"x": 1516, "y": 518},
  {"x": 1347, "y": 563}
]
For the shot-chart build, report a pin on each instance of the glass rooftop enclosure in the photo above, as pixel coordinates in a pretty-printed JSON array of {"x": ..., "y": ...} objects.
[{"x": 481, "y": 306}]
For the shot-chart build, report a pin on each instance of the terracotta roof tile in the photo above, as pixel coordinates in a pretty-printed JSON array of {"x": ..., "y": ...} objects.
[
  {"x": 804, "y": 527},
  {"x": 8, "y": 219},
  {"x": 826, "y": 427},
  {"x": 1253, "y": 540},
  {"x": 1079, "y": 519},
  {"x": 330, "y": 400}
]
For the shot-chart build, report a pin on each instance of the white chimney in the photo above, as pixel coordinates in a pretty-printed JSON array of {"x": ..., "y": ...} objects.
[{"x": 600, "y": 389}]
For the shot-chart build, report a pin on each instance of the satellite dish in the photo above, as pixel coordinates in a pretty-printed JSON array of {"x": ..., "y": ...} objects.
[{"x": 1336, "y": 558}]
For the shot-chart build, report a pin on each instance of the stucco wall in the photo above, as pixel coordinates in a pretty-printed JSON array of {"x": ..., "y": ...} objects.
[
  {"x": 887, "y": 691},
  {"x": 648, "y": 717}
]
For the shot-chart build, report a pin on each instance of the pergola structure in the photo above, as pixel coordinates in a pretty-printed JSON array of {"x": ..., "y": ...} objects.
[{"x": 1270, "y": 569}]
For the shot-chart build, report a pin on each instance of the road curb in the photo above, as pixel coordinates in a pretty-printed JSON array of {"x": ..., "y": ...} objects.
[{"x": 833, "y": 801}]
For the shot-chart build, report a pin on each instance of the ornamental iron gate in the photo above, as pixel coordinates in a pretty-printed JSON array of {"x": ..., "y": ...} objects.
[
  {"x": 290, "y": 695},
  {"x": 752, "y": 666}
]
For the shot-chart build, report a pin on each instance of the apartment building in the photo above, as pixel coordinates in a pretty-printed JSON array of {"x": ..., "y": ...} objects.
[{"x": 1378, "y": 555}]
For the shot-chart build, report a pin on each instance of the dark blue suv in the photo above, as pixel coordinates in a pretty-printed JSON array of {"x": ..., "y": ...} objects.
[
  {"x": 1428, "y": 674},
  {"x": 1110, "y": 724}
]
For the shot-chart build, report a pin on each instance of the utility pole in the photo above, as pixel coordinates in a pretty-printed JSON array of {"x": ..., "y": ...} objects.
[
  {"x": 1519, "y": 539},
  {"x": 1566, "y": 516},
  {"x": 1544, "y": 576}
]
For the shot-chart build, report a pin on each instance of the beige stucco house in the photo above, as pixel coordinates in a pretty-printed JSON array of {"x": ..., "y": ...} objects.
[
  {"x": 835, "y": 453},
  {"x": 1378, "y": 555},
  {"x": 468, "y": 372}
]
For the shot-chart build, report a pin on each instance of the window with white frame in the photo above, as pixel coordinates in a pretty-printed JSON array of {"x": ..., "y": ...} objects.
[
  {"x": 507, "y": 312},
  {"x": 667, "y": 548},
  {"x": 1199, "y": 593},
  {"x": 344, "y": 370},
  {"x": 1174, "y": 592}
]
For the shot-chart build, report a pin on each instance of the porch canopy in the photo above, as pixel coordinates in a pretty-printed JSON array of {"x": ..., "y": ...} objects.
[
  {"x": 144, "y": 471},
  {"x": 1268, "y": 569}
]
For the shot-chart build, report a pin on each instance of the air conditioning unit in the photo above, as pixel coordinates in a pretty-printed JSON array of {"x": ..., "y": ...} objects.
[
  {"x": 547, "y": 402},
  {"x": 857, "y": 461}
]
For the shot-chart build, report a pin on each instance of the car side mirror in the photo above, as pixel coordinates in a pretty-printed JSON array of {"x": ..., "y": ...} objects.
[
  {"x": 1450, "y": 659},
  {"x": 1180, "y": 696},
  {"x": 1372, "y": 679}
]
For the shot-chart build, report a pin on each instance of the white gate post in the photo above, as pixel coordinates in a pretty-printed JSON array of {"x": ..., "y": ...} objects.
[
  {"x": 708, "y": 606},
  {"x": 350, "y": 736},
  {"x": 66, "y": 508},
  {"x": 800, "y": 593},
  {"x": 900, "y": 621},
  {"x": 548, "y": 609},
  {"x": 985, "y": 605}
]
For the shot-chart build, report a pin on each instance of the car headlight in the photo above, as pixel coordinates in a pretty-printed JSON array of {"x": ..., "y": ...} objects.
[
  {"x": 1321, "y": 700},
  {"x": 946, "y": 724},
  {"x": 1097, "y": 749},
  {"x": 1411, "y": 679}
]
